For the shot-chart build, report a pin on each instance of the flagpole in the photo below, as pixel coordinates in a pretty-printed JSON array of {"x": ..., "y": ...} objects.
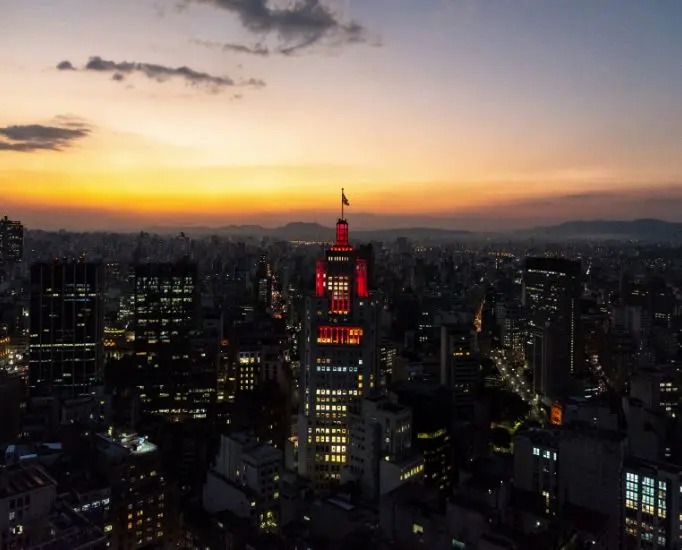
[{"x": 342, "y": 203}]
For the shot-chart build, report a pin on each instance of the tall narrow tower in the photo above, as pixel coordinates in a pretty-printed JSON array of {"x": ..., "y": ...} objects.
[{"x": 339, "y": 362}]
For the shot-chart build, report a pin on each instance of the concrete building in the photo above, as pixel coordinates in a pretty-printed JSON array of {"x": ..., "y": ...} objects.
[
  {"x": 143, "y": 511},
  {"x": 27, "y": 496},
  {"x": 245, "y": 480},
  {"x": 652, "y": 503},
  {"x": 460, "y": 366},
  {"x": 339, "y": 360},
  {"x": 658, "y": 388},
  {"x": 380, "y": 455}
]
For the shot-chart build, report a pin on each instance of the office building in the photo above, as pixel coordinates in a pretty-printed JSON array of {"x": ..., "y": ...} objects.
[
  {"x": 174, "y": 379},
  {"x": 264, "y": 283},
  {"x": 551, "y": 294},
  {"x": 571, "y": 472},
  {"x": 27, "y": 495},
  {"x": 142, "y": 508},
  {"x": 339, "y": 359},
  {"x": 66, "y": 334},
  {"x": 652, "y": 505},
  {"x": 460, "y": 366},
  {"x": 657, "y": 387},
  {"x": 536, "y": 467},
  {"x": 11, "y": 241},
  {"x": 380, "y": 452},
  {"x": 245, "y": 480},
  {"x": 432, "y": 414}
]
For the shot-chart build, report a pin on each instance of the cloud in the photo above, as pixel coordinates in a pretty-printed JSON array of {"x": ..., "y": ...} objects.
[
  {"x": 257, "y": 49},
  {"x": 66, "y": 66},
  {"x": 161, "y": 73},
  {"x": 303, "y": 24},
  {"x": 37, "y": 137}
]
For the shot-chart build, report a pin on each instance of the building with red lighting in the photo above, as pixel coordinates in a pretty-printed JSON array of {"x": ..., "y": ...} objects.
[{"x": 340, "y": 362}]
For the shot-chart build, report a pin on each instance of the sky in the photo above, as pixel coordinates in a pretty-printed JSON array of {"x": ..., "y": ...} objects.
[{"x": 472, "y": 114}]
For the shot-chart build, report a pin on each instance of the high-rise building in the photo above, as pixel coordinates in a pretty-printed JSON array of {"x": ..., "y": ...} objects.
[
  {"x": 11, "y": 241},
  {"x": 432, "y": 413},
  {"x": 174, "y": 380},
  {"x": 460, "y": 365},
  {"x": 165, "y": 303},
  {"x": 652, "y": 504},
  {"x": 551, "y": 294},
  {"x": 264, "y": 283},
  {"x": 142, "y": 502},
  {"x": 66, "y": 319},
  {"x": 339, "y": 359},
  {"x": 380, "y": 452},
  {"x": 575, "y": 468}
]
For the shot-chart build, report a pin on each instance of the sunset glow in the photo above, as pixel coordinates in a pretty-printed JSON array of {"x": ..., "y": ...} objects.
[{"x": 458, "y": 117}]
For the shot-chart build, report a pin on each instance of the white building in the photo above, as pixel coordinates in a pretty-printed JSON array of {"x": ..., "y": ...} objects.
[
  {"x": 380, "y": 455},
  {"x": 245, "y": 480}
]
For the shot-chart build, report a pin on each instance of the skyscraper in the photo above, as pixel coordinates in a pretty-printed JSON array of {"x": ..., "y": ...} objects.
[
  {"x": 11, "y": 240},
  {"x": 460, "y": 365},
  {"x": 174, "y": 380},
  {"x": 66, "y": 319},
  {"x": 339, "y": 363},
  {"x": 551, "y": 293},
  {"x": 264, "y": 283}
]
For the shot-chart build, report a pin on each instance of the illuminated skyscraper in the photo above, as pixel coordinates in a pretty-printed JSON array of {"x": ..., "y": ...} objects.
[
  {"x": 551, "y": 293},
  {"x": 11, "y": 240},
  {"x": 174, "y": 381},
  {"x": 264, "y": 283},
  {"x": 339, "y": 363},
  {"x": 67, "y": 327}
]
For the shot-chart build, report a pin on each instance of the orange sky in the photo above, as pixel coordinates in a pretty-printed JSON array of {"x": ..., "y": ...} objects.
[{"x": 495, "y": 112}]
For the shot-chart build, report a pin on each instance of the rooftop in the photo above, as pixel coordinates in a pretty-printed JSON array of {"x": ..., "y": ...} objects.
[
  {"x": 128, "y": 443},
  {"x": 18, "y": 479},
  {"x": 263, "y": 453}
]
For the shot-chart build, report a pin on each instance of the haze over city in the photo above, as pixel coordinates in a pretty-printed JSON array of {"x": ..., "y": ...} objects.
[{"x": 458, "y": 114}]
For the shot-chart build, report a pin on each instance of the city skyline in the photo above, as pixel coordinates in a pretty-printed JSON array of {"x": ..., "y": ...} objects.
[{"x": 453, "y": 114}]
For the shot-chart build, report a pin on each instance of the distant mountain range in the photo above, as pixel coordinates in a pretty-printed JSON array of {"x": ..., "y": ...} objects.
[
  {"x": 303, "y": 231},
  {"x": 640, "y": 230},
  {"x": 648, "y": 230}
]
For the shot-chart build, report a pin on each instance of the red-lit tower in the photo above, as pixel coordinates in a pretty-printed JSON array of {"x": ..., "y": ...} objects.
[{"x": 339, "y": 362}]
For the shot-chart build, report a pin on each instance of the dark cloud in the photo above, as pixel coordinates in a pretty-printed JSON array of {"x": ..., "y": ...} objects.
[
  {"x": 303, "y": 24},
  {"x": 255, "y": 82},
  {"x": 258, "y": 49},
  {"x": 37, "y": 137},
  {"x": 66, "y": 66},
  {"x": 161, "y": 73}
]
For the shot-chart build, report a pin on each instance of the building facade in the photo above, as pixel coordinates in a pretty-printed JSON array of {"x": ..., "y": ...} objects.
[
  {"x": 175, "y": 380},
  {"x": 551, "y": 294},
  {"x": 67, "y": 328},
  {"x": 11, "y": 241},
  {"x": 460, "y": 365},
  {"x": 340, "y": 363}
]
